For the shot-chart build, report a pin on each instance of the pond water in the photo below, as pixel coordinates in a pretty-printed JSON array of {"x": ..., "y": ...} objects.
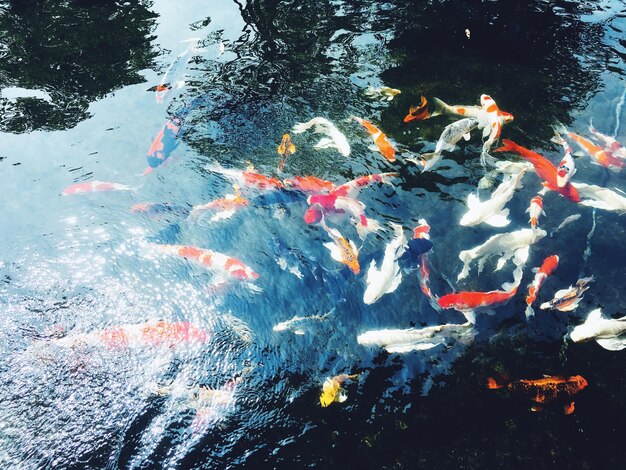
[{"x": 91, "y": 379}]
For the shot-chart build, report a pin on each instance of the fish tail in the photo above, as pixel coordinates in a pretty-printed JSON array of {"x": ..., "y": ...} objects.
[
  {"x": 559, "y": 128},
  {"x": 592, "y": 129},
  {"x": 386, "y": 178},
  {"x": 301, "y": 127},
  {"x": 529, "y": 312},
  {"x": 439, "y": 107},
  {"x": 507, "y": 146},
  {"x": 492, "y": 384}
]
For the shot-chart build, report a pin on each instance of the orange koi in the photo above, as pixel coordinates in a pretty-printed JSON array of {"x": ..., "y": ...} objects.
[
  {"x": 379, "y": 138},
  {"x": 285, "y": 149},
  {"x": 309, "y": 184},
  {"x": 545, "y": 390},
  {"x": 419, "y": 112},
  {"x": 351, "y": 188}
]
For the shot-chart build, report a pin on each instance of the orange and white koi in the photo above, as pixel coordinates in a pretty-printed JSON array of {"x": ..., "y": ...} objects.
[
  {"x": 611, "y": 145},
  {"x": 548, "y": 267},
  {"x": 173, "y": 77},
  {"x": 249, "y": 177},
  {"x": 535, "y": 210},
  {"x": 495, "y": 121},
  {"x": 285, "y": 149},
  {"x": 468, "y": 302},
  {"x": 210, "y": 259},
  {"x": 379, "y": 138},
  {"x": 309, "y": 184},
  {"x": 419, "y": 112},
  {"x": 470, "y": 111},
  {"x": 224, "y": 207},
  {"x": 351, "y": 188},
  {"x": 566, "y": 300},
  {"x": 332, "y": 391},
  {"x": 342, "y": 250},
  {"x": 384, "y": 93},
  {"x": 161, "y": 334},
  {"x": 94, "y": 187},
  {"x": 597, "y": 154},
  {"x": 545, "y": 390}
]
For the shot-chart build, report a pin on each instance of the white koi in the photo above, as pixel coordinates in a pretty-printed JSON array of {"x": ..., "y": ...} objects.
[
  {"x": 334, "y": 137},
  {"x": 610, "y": 333},
  {"x": 601, "y": 198}
]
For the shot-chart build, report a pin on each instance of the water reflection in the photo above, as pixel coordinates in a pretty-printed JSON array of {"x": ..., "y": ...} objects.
[{"x": 76, "y": 51}]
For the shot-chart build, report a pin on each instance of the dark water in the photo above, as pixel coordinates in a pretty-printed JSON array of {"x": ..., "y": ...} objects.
[{"x": 82, "y": 263}]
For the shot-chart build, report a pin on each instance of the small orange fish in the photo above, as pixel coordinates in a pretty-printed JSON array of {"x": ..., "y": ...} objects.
[
  {"x": 285, "y": 149},
  {"x": 379, "y": 138},
  {"x": 342, "y": 249},
  {"x": 309, "y": 184},
  {"x": 418, "y": 113},
  {"x": 545, "y": 390},
  {"x": 225, "y": 207}
]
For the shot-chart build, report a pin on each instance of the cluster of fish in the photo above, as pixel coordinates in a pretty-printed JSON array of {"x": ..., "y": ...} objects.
[{"x": 331, "y": 204}]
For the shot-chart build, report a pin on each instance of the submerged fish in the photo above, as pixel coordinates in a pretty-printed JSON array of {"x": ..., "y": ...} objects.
[
  {"x": 548, "y": 267},
  {"x": 223, "y": 208},
  {"x": 285, "y": 149},
  {"x": 597, "y": 154},
  {"x": 611, "y": 145},
  {"x": 567, "y": 167},
  {"x": 332, "y": 204},
  {"x": 210, "y": 259},
  {"x": 492, "y": 211},
  {"x": 379, "y": 138},
  {"x": 543, "y": 167},
  {"x": 610, "y": 333},
  {"x": 566, "y": 221},
  {"x": 95, "y": 187},
  {"x": 508, "y": 245},
  {"x": 159, "y": 211},
  {"x": 299, "y": 325},
  {"x": 566, "y": 300},
  {"x": 173, "y": 77},
  {"x": 545, "y": 390},
  {"x": 334, "y": 137},
  {"x": 412, "y": 339},
  {"x": 164, "y": 144},
  {"x": 352, "y": 188},
  {"x": 342, "y": 250},
  {"x": 309, "y": 184},
  {"x": 332, "y": 391},
  {"x": 291, "y": 259},
  {"x": 248, "y": 178},
  {"x": 419, "y": 112},
  {"x": 601, "y": 198},
  {"x": 387, "y": 278},
  {"x": 451, "y": 134},
  {"x": 535, "y": 210},
  {"x": 385, "y": 93}
]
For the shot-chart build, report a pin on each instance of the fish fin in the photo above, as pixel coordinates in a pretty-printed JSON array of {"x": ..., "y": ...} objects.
[
  {"x": 561, "y": 293},
  {"x": 501, "y": 262},
  {"x": 500, "y": 219},
  {"x": 520, "y": 256},
  {"x": 472, "y": 201},
  {"x": 405, "y": 348},
  {"x": 612, "y": 344},
  {"x": 568, "y": 409},
  {"x": 439, "y": 107},
  {"x": 507, "y": 146},
  {"x": 448, "y": 147},
  {"x": 395, "y": 282},
  {"x": 470, "y": 316},
  {"x": 493, "y": 384},
  {"x": 373, "y": 148},
  {"x": 341, "y": 396},
  {"x": 595, "y": 315},
  {"x": 486, "y": 131},
  {"x": 427, "y": 160},
  {"x": 467, "y": 136},
  {"x": 298, "y": 332},
  {"x": 371, "y": 272},
  {"x": 335, "y": 253},
  {"x": 529, "y": 312},
  {"x": 325, "y": 143}
]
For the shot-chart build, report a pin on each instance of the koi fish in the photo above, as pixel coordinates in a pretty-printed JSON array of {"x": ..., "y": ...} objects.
[
  {"x": 535, "y": 210},
  {"x": 224, "y": 207},
  {"x": 352, "y": 188},
  {"x": 610, "y": 333},
  {"x": 611, "y": 145},
  {"x": 451, "y": 134},
  {"x": 174, "y": 73},
  {"x": 384, "y": 93},
  {"x": 14, "y": 93},
  {"x": 324, "y": 204},
  {"x": 249, "y": 177},
  {"x": 386, "y": 279},
  {"x": 418, "y": 113},
  {"x": 159, "y": 210},
  {"x": 469, "y": 111},
  {"x": 164, "y": 144},
  {"x": 380, "y": 139},
  {"x": 162, "y": 334},
  {"x": 404, "y": 341},
  {"x": 548, "y": 267},
  {"x": 334, "y": 137},
  {"x": 493, "y": 129},
  {"x": 567, "y": 167},
  {"x": 468, "y": 302},
  {"x": 94, "y": 187},
  {"x": 419, "y": 245},
  {"x": 299, "y": 325},
  {"x": 505, "y": 167},
  {"x": 597, "y": 154},
  {"x": 602, "y": 198},
  {"x": 543, "y": 167},
  {"x": 510, "y": 245},
  {"x": 342, "y": 250},
  {"x": 566, "y": 300},
  {"x": 545, "y": 390},
  {"x": 210, "y": 259},
  {"x": 492, "y": 211},
  {"x": 566, "y": 221},
  {"x": 285, "y": 149},
  {"x": 332, "y": 391},
  {"x": 291, "y": 259},
  {"x": 309, "y": 184}
]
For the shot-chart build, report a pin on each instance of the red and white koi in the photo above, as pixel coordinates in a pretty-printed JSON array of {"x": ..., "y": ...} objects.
[
  {"x": 548, "y": 267},
  {"x": 566, "y": 300},
  {"x": 210, "y": 259},
  {"x": 352, "y": 188},
  {"x": 224, "y": 208},
  {"x": 535, "y": 210},
  {"x": 567, "y": 167},
  {"x": 611, "y": 145},
  {"x": 248, "y": 178},
  {"x": 95, "y": 187},
  {"x": 379, "y": 138}
]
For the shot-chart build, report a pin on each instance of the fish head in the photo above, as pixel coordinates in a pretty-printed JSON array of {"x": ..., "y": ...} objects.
[
  {"x": 582, "y": 333},
  {"x": 447, "y": 301},
  {"x": 313, "y": 215}
]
